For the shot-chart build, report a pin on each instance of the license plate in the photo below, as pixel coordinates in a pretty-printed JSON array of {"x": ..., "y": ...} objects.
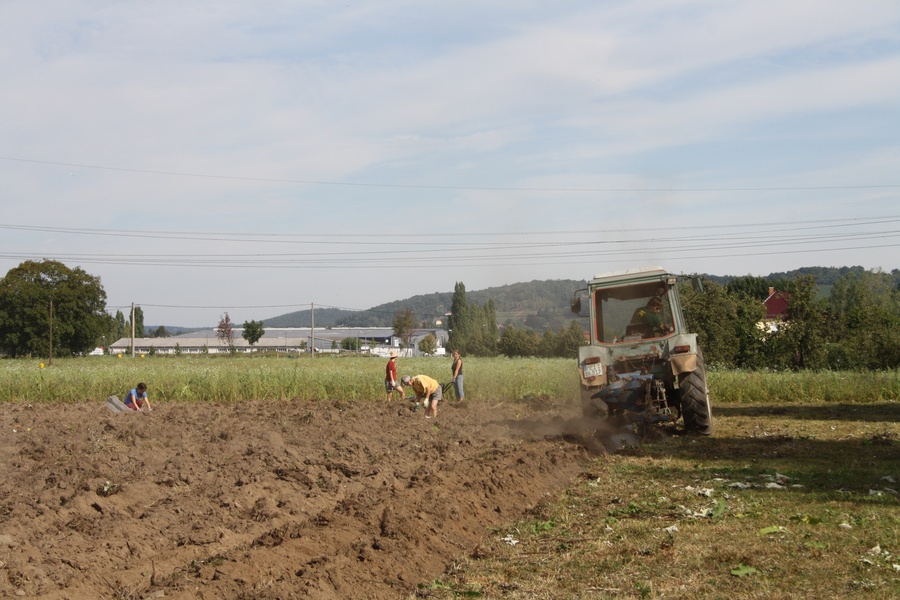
[{"x": 593, "y": 370}]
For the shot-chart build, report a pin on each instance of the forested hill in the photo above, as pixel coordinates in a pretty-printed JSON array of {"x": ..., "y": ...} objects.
[
  {"x": 541, "y": 304},
  {"x": 536, "y": 304},
  {"x": 824, "y": 276}
]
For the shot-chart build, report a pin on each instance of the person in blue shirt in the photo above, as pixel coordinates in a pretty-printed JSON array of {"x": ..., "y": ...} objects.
[{"x": 137, "y": 398}]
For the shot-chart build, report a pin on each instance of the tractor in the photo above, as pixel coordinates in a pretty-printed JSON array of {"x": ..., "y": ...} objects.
[{"x": 641, "y": 367}]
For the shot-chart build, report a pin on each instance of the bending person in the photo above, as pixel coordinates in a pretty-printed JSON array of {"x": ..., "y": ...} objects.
[{"x": 428, "y": 389}]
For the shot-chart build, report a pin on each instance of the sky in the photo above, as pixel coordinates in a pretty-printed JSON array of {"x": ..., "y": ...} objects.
[{"x": 258, "y": 158}]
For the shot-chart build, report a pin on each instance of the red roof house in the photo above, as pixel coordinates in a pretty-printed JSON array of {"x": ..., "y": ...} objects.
[
  {"x": 776, "y": 304},
  {"x": 776, "y": 310}
]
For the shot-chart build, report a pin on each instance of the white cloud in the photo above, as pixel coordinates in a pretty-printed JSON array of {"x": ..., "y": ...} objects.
[{"x": 655, "y": 94}]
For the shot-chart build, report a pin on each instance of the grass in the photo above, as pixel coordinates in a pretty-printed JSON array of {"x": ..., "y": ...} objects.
[
  {"x": 232, "y": 379},
  {"x": 784, "y": 501},
  {"x": 237, "y": 378},
  {"x": 789, "y": 387}
]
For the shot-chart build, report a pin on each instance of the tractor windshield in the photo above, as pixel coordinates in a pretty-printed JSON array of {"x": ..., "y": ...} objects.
[{"x": 632, "y": 312}]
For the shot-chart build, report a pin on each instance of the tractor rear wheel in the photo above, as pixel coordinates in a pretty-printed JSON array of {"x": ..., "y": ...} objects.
[{"x": 695, "y": 407}]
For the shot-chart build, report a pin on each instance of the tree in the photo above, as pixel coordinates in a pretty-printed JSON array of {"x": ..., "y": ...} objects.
[
  {"x": 489, "y": 329},
  {"x": 749, "y": 312},
  {"x": 570, "y": 339},
  {"x": 404, "y": 325},
  {"x": 350, "y": 343},
  {"x": 160, "y": 332},
  {"x": 517, "y": 342},
  {"x": 428, "y": 345},
  {"x": 457, "y": 322},
  {"x": 79, "y": 310},
  {"x": 253, "y": 331},
  {"x": 122, "y": 329},
  {"x": 864, "y": 323},
  {"x": 725, "y": 323},
  {"x": 109, "y": 332},
  {"x": 800, "y": 342},
  {"x": 755, "y": 287},
  {"x": 548, "y": 343},
  {"x": 473, "y": 329},
  {"x": 138, "y": 322},
  {"x": 225, "y": 331}
]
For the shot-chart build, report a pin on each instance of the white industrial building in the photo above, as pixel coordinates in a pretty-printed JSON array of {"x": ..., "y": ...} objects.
[{"x": 372, "y": 340}]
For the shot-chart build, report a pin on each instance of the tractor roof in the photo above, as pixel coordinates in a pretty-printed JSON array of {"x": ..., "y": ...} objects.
[{"x": 645, "y": 273}]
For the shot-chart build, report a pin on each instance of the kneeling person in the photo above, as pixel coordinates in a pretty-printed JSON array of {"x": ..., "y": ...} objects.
[
  {"x": 137, "y": 398},
  {"x": 425, "y": 387}
]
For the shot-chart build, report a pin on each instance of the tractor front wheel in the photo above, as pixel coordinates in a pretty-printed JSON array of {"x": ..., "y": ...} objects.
[{"x": 695, "y": 407}]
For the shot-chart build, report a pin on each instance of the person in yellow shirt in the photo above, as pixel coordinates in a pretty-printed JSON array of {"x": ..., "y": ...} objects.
[{"x": 425, "y": 388}]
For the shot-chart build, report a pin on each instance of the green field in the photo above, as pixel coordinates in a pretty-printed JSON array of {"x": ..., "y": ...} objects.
[
  {"x": 235, "y": 378},
  {"x": 227, "y": 378}
]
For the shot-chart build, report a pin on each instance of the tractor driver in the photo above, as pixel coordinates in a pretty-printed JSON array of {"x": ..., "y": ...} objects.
[{"x": 651, "y": 315}]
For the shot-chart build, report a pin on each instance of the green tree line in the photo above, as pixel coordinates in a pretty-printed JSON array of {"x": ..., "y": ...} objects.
[
  {"x": 473, "y": 330},
  {"x": 855, "y": 326},
  {"x": 49, "y": 309}
]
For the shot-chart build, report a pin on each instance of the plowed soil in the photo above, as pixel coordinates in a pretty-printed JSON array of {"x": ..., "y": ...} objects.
[{"x": 266, "y": 499}]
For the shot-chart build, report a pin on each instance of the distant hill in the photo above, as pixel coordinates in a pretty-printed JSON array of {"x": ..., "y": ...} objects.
[
  {"x": 542, "y": 303},
  {"x": 824, "y": 276},
  {"x": 170, "y": 330},
  {"x": 536, "y": 304}
]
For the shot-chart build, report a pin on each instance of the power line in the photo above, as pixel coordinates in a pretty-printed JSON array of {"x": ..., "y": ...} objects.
[
  {"x": 329, "y": 238},
  {"x": 451, "y": 187},
  {"x": 460, "y": 261},
  {"x": 441, "y": 253},
  {"x": 444, "y": 250}
]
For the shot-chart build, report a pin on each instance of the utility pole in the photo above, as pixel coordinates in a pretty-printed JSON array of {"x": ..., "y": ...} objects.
[{"x": 312, "y": 329}]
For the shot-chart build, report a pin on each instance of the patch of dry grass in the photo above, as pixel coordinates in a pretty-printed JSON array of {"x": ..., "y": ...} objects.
[{"x": 796, "y": 501}]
